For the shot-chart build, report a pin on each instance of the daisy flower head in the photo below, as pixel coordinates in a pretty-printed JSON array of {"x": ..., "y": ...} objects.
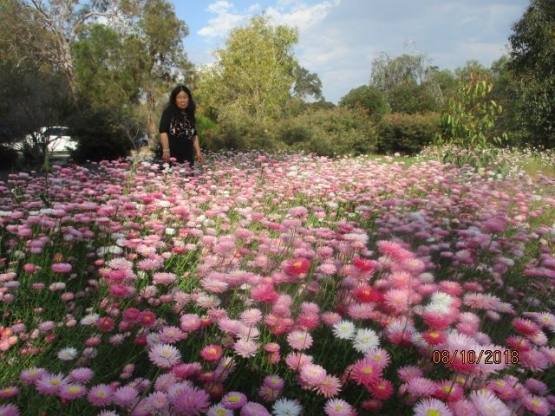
[
  {"x": 234, "y": 400},
  {"x": 191, "y": 401},
  {"x": 50, "y": 384},
  {"x": 72, "y": 391},
  {"x": 338, "y": 407},
  {"x": 211, "y": 353},
  {"x": 164, "y": 355},
  {"x": 9, "y": 410},
  {"x": 8, "y": 392},
  {"x": 344, "y": 330},
  {"x": 286, "y": 407},
  {"x": 219, "y": 410},
  {"x": 365, "y": 339},
  {"x": 312, "y": 375},
  {"x": 245, "y": 348},
  {"x": 429, "y": 407},
  {"x": 487, "y": 404},
  {"x": 299, "y": 340},
  {"x": 67, "y": 354},
  {"x": 536, "y": 405},
  {"x": 329, "y": 387}
]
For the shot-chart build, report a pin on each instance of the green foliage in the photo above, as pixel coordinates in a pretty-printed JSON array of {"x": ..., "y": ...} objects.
[
  {"x": 101, "y": 134},
  {"x": 253, "y": 75},
  {"x": 8, "y": 157},
  {"x": 409, "y": 84},
  {"x": 470, "y": 116},
  {"x": 532, "y": 62},
  {"x": 371, "y": 99},
  {"x": 330, "y": 132},
  {"x": 406, "y": 133}
]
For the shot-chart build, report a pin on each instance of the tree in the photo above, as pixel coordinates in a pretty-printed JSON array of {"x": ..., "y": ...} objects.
[
  {"x": 133, "y": 63},
  {"x": 406, "y": 82},
  {"x": 23, "y": 39},
  {"x": 371, "y": 99},
  {"x": 254, "y": 75},
  {"x": 532, "y": 59},
  {"x": 64, "y": 20}
]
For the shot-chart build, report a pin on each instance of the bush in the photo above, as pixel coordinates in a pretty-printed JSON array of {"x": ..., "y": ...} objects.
[
  {"x": 330, "y": 132},
  {"x": 100, "y": 135},
  {"x": 8, "y": 157},
  {"x": 406, "y": 133}
]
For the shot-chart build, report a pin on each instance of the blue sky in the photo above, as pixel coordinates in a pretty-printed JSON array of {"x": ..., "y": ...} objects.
[{"x": 340, "y": 38}]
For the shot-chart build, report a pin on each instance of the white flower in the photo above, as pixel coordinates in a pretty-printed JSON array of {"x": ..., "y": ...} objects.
[
  {"x": 67, "y": 354},
  {"x": 365, "y": 340},
  {"x": 89, "y": 319},
  {"x": 285, "y": 407},
  {"x": 344, "y": 330}
]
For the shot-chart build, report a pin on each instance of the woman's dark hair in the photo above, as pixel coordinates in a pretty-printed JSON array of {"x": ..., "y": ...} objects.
[{"x": 191, "y": 108}]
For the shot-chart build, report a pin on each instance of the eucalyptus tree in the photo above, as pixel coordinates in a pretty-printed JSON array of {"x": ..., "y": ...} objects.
[
  {"x": 254, "y": 75},
  {"x": 532, "y": 59}
]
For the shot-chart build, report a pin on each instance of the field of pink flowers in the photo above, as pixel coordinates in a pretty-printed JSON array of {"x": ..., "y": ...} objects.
[{"x": 273, "y": 285}]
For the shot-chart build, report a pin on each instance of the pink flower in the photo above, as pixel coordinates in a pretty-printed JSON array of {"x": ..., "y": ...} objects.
[
  {"x": 163, "y": 278},
  {"x": 338, "y": 407},
  {"x": 81, "y": 375},
  {"x": 105, "y": 324},
  {"x": 164, "y": 355},
  {"x": 125, "y": 396},
  {"x": 329, "y": 387},
  {"x": 296, "y": 266},
  {"x": 190, "y": 322},
  {"x": 8, "y": 392},
  {"x": 61, "y": 267},
  {"x": 299, "y": 340},
  {"x": 9, "y": 410},
  {"x": 488, "y": 405},
  {"x": 50, "y": 384},
  {"x": 312, "y": 375},
  {"x": 211, "y": 353},
  {"x": 72, "y": 391},
  {"x": 254, "y": 409},
  {"x": 100, "y": 395},
  {"x": 245, "y": 348},
  {"x": 435, "y": 407},
  {"x": 536, "y": 405},
  {"x": 190, "y": 401},
  {"x": 234, "y": 400},
  {"x": 147, "y": 319},
  {"x": 31, "y": 375}
]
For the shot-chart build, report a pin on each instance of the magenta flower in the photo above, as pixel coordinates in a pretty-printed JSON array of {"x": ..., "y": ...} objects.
[
  {"x": 234, "y": 400},
  {"x": 190, "y": 401},
  {"x": 61, "y": 267},
  {"x": 100, "y": 395}
]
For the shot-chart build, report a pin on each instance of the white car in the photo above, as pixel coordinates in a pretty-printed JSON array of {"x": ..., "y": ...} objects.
[{"x": 56, "y": 138}]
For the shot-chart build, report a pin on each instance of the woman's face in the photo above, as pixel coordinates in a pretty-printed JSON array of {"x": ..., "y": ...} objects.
[{"x": 182, "y": 100}]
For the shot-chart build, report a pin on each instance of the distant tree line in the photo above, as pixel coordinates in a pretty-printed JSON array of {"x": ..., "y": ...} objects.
[{"x": 104, "y": 68}]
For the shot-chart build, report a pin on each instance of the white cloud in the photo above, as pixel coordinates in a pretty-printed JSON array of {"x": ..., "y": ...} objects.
[
  {"x": 290, "y": 12},
  {"x": 224, "y": 21},
  {"x": 340, "y": 38}
]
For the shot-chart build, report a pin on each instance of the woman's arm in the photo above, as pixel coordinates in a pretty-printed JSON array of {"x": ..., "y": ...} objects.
[
  {"x": 164, "y": 141},
  {"x": 198, "y": 154}
]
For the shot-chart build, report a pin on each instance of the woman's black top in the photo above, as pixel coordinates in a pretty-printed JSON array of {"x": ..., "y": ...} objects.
[{"x": 181, "y": 133}]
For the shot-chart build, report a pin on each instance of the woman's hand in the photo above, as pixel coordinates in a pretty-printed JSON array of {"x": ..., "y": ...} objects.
[
  {"x": 200, "y": 158},
  {"x": 166, "y": 155}
]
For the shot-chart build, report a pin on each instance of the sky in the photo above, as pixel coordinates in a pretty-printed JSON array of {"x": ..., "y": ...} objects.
[{"x": 339, "y": 39}]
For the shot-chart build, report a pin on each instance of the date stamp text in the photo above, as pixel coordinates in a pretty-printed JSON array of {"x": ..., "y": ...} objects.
[{"x": 475, "y": 357}]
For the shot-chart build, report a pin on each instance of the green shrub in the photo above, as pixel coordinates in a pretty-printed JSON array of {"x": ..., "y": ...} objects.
[
  {"x": 101, "y": 135},
  {"x": 330, "y": 132},
  {"x": 406, "y": 133},
  {"x": 8, "y": 157}
]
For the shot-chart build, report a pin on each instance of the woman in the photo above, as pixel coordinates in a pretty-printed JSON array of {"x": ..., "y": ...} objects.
[{"x": 178, "y": 133}]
